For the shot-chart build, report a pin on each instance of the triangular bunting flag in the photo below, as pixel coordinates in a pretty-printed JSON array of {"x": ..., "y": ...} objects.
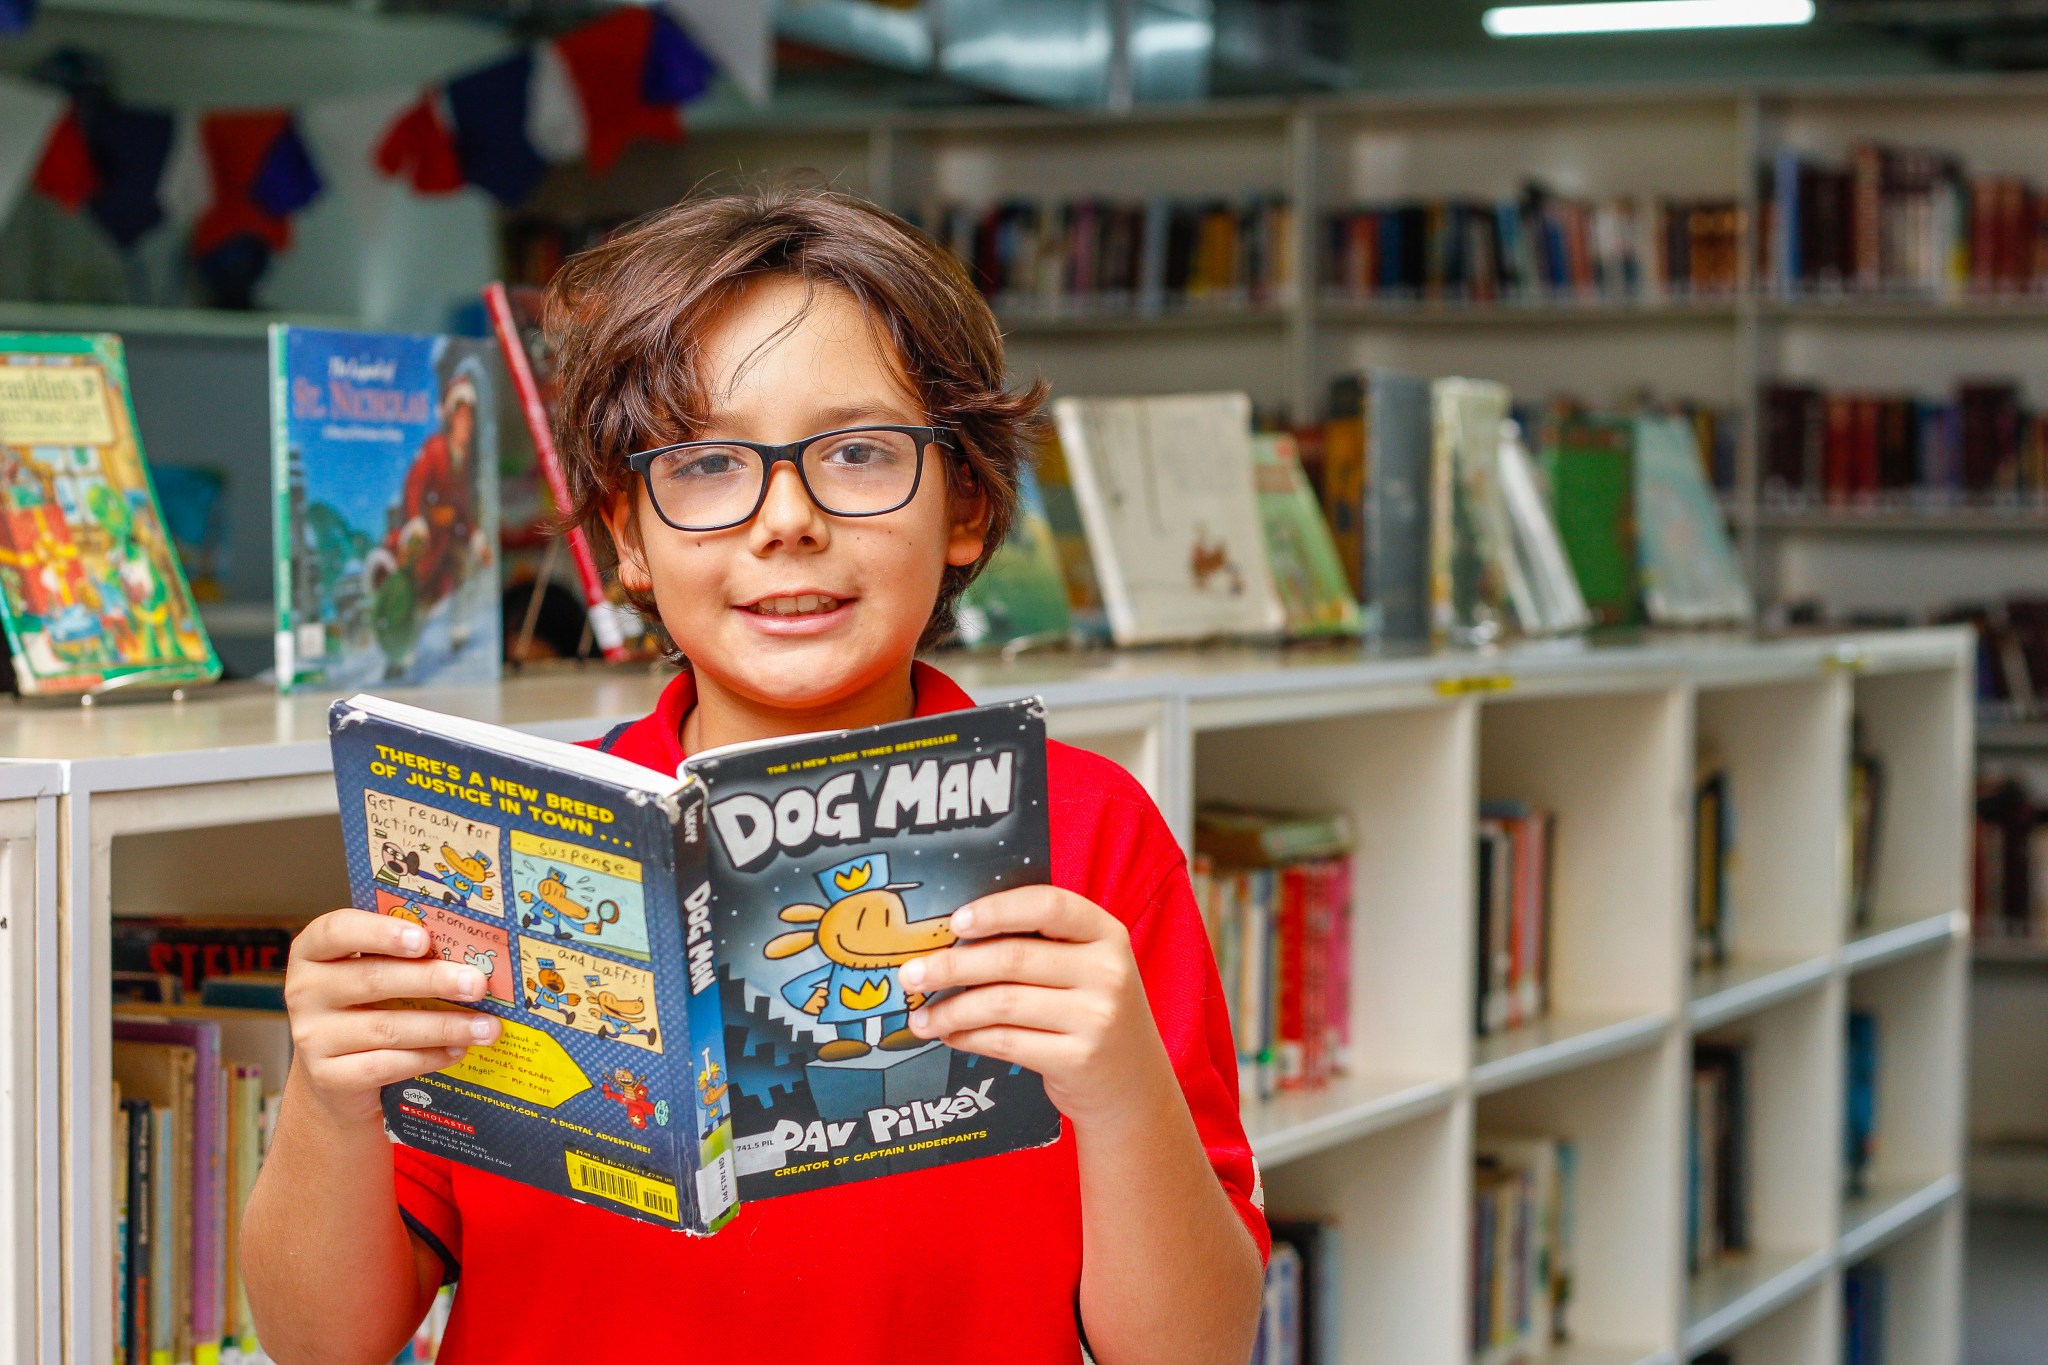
[
  {"x": 286, "y": 180},
  {"x": 554, "y": 111},
  {"x": 419, "y": 147},
  {"x": 65, "y": 172},
  {"x": 130, "y": 148},
  {"x": 187, "y": 185},
  {"x": 739, "y": 36},
  {"x": 237, "y": 145},
  {"x": 607, "y": 60},
  {"x": 27, "y": 114},
  {"x": 677, "y": 69},
  {"x": 490, "y": 108},
  {"x": 16, "y": 15}
]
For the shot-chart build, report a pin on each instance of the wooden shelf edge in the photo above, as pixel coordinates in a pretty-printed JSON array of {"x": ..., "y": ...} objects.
[
  {"x": 1884, "y": 1216},
  {"x": 1758, "y": 993},
  {"x": 1890, "y": 943},
  {"x": 1773, "y": 1290}
]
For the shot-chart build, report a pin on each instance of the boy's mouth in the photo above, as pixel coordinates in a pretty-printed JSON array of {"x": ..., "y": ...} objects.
[{"x": 804, "y": 604}]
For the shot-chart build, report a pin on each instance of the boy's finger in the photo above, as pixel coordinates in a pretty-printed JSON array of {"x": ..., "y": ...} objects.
[
  {"x": 1005, "y": 1003},
  {"x": 344, "y": 933},
  {"x": 1045, "y": 910},
  {"x": 368, "y": 980},
  {"x": 368, "y": 1070},
  {"x": 1028, "y": 1048},
  {"x": 1012, "y": 957},
  {"x": 360, "y": 1032}
]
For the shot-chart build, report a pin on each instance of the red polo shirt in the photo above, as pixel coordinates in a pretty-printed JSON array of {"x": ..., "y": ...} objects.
[{"x": 977, "y": 1262}]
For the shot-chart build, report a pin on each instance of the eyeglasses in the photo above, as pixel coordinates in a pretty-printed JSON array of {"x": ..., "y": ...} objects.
[{"x": 855, "y": 472}]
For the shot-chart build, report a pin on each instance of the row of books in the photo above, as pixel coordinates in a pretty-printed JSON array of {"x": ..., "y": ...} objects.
[
  {"x": 1099, "y": 255},
  {"x": 1521, "y": 1255},
  {"x": 1980, "y": 448},
  {"x": 2010, "y": 861},
  {"x": 1717, "y": 1155},
  {"x": 1859, "y": 1122},
  {"x": 2012, "y": 656},
  {"x": 1538, "y": 247},
  {"x": 1713, "y": 857},
  {"x": 1863, "y": 826},
  {"x": 1864, "y": 1295},
  {"x": 1275, "y": 893},
  {"x": 1899, "y": 220},
  {"x": 1298, "y": 1320},
  {"x": 1513, "y": 932}
]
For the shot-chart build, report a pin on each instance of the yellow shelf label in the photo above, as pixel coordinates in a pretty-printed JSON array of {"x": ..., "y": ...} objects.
[{"x": 1476, "y": 683}]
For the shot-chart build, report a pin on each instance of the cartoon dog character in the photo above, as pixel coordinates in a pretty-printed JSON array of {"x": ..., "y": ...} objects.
[
  {"x": 632, "y": 1092},
  {"x": 546, "y": 990},
  {"x": 866, "y": 933},
  {"x": 554, "y": 907},
  {"x": 464, "y": 877},
  {"x": 712, "y": 1089},
  {"x": 616, "y": 1018},
  {"x": 484, "y": 960}
]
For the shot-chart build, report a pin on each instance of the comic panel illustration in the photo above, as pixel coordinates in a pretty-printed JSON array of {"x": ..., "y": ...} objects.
[
  {"x": 486, "y": 947},
  {"x": 590, "y": 993},
  {"x": 572, "y": 894},
  {"x": 435, "y": 853}
]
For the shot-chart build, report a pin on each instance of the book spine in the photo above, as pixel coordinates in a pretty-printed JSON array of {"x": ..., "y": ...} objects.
[
  {"x": 715, "y": 1177},
  {"x": 604, "y": 623},
  {"x": 280, "y": 508},
  {"x": 1291, "y": 1037}
]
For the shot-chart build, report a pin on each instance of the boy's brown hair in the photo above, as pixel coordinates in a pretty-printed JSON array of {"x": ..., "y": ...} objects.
[{"x": 626, "y": 319}]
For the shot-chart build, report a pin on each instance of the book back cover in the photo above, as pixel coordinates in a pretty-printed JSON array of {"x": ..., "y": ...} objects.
[
  {"x": 835, "y": 860},
  {"x": 587, "y": 908}
]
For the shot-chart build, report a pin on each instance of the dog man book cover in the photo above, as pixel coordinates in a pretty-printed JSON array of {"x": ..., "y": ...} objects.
[
  {"x": 835, "y": 859},
  {"x": 586, "y": 905}
]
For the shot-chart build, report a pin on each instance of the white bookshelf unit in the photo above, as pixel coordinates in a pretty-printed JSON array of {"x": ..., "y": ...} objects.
[
  {"x": 135, "y": 797},
  {"x": 30, "y": 1250}
]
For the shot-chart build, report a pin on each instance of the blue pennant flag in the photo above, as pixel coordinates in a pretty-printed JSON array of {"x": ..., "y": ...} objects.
[
  {"x": 16, "y": 15},
  {"x": 489, "y": 108},
  {"x": 287, "y": 181},
  {"x": 677, "y": 70},
  {"x": 130, "y": 148}
]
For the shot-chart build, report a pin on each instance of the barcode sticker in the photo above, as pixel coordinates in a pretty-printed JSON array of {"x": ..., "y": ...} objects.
[
  {"x": 715, "y": 1191},
  {"x": 591, "y": 1176}
]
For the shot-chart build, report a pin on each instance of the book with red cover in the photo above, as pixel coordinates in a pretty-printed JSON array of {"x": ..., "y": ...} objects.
[{"x": 515, "y": 319}]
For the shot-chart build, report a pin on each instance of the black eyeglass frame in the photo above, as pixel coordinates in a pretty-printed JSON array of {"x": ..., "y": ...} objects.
[{"x": 642, "y": 463}]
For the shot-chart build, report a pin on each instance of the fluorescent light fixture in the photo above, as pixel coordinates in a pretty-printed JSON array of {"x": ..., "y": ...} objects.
[{"x": 1643, "y": 16}]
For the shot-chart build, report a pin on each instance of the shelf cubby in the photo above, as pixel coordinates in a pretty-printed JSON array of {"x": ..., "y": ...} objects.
[
  {"x": 1918, "y": 723},
  {"x": 1922, "y": 1268},
  {"x": 1785, "y": 1314},
  {"x": 1918, "y": 1004}
]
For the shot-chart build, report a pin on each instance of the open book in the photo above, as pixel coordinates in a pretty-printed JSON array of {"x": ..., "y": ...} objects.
[{"x": 698, "y": 974}]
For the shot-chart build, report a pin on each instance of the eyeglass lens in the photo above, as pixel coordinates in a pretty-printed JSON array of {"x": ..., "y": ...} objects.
[{"x": 852, "y": 473}]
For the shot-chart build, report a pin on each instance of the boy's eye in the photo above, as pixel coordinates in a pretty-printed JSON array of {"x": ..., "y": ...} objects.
[
  {"x": 868, "y": 452},
  {"x": 711, "y": 462}
]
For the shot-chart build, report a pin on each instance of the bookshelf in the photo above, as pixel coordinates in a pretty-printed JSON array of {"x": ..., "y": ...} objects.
[
  {"x": 133, "y": 798},
  {"x": 29, "y": 1254}
]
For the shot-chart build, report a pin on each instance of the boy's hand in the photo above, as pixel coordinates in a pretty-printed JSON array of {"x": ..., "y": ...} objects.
[
  {"x": 343, "y": 967},
  {"x": 1050, "y": 984}
]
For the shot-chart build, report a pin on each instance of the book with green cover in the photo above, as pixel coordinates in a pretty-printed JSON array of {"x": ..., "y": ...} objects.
[
  {"x": 1020, "y": 599},
  {"x": 91, "y": 591},
  {"x": 1589, "y": 465},
  {"x": 1087, "y": 618},
  {"x": 1306, "y": 571}
]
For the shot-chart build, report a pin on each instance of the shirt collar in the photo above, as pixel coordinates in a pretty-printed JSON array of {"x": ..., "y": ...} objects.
[{"x": 933, "y": 691}]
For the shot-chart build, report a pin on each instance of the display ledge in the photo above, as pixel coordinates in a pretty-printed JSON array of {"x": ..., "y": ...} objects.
[
  {"x": 1416, "y": 313},
  {"x": 1189, "y": 318},
  {"x": 1891, "y": 1210},
  {"x": 1882, "y": 943},
  {"x": 1908, "y": 308},
  {"x": 1722, "y": 1301},
  {"x": 1560, "y": 1043},
  {"x": 1575, "y": 1354},
  {"x": 1743, "y": 986},
  {"x": 1299, "y": 1123},
  {"x": 21, "y": 781},
  {"x": 136, "y": 320},
  {"x": 1962, "y": 521}
]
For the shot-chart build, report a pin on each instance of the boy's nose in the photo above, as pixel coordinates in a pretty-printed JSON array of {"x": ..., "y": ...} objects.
[{"x": 787, "y": 513}]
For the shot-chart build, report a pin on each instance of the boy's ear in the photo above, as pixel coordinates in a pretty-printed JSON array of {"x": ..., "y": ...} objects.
[
  {"x": 968, "y": 535},
  {"x": 622, "y": 518}
]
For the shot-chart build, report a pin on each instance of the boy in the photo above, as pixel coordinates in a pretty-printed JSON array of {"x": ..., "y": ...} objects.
[{"x": 798, "y": 578}]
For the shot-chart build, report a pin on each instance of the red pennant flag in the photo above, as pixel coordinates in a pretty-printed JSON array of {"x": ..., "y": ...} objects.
[
  {"x": 237, "y": 144},
  {"x": 607, "y": 61},
  {"x": 419, "y": 147},
  {"x": 65, "y": 171}
]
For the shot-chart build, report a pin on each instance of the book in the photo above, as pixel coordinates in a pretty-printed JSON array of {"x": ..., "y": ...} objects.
[
  {"x": 1399, "y": 448},
  {"x": 1087, "y": 618},
  {"x": 1589, "y": 468},
  {"x": 164, "y": 1074},
  {"x": 132, "y": 1326},
  {"x": 697, "y": 975},
  {"x": 384, "y": 457},
  {"x": 530, "y": 362},
  {"x": 92, "y": 595},
  {"x": 1549, "y": 601},
  {"x": 1523, "y": 1187},
  {"x": 1314, "y": 592},
  {"x": 189, "y": 952},
  {"x": 1859, "y": 1124},
  {"x": 1020, "y": 597},
  {"x": 1470, "y": 557},
  {"x": 1690, "y": 574},
  {"x": 1165, "y": 489},
  {"x": 1713, "y": 856}
]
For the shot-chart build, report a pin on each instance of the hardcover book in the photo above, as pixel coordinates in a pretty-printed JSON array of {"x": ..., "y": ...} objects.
[
  {"x": 1306, "y": 571},
  {"x": 91, "y": 591},
  {"x": 1691, "y": 576},
  {"x": 698, "y": 975},
  {"x": 1589, "y": 465},
  {"x": 384, "y": 453},
  {"x": 1474, "y": 578},
  {"x": 1020, "y": 598},
  {"x": 1165, "y": 488}
]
